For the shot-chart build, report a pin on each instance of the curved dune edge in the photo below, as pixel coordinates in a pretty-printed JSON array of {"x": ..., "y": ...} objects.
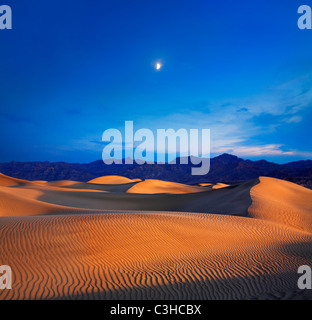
[
  {"x": 270, "y": 199},
  {"x": 29, "y": 198},
  {"x": 220, "y": 185},
  {"x": 151, "y": 186},
  {"x": 112, "y": 180},
  {"x": 152, "y": 256},
  {"x": 23, "y": 202},
  {"x": 6, "y": 181},
  {"x": 282, "y": 202},
  {"x": 209, "y": 201},
  {"x": 205, "y": 184},
  {"x": 62, "y": 183}
]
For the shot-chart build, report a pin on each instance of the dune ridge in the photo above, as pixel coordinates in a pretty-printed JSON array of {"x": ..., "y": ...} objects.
[
  {"x": 151, "y": 186},
  {"x": 282, "y": 202},
  {"x": 7, "y": 181},
  {"x": 87, "y": 196},
  {"x": 111, "y": 180}
]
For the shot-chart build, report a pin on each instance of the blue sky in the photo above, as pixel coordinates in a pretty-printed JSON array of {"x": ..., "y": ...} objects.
[{"x": 72, "y": 69}]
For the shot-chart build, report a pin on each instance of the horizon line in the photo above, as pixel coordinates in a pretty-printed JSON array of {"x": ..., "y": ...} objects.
[{"x": 155, "y": 163}]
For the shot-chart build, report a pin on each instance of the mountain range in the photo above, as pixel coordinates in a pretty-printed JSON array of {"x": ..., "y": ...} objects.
[{"x": 225, "y": 168}]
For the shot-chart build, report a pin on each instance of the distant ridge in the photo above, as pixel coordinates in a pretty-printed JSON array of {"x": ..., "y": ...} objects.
[{"x": 225, "y": 168}]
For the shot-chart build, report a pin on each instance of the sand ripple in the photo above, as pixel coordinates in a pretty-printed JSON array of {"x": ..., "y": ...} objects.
[
  {"x": 72, "y": 240},
  {"x": 151, "y": 256}
]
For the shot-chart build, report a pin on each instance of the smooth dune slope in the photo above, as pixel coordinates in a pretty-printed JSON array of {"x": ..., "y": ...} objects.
[
  {"x": 111, "y": 180},
  {"x": 63, "y": 183},
  {"x": 150, "y": 195},
  {"x": 220, "y": 185},
  {"x": 282, "y": 202},
  {"x": 23, "y": 202},
  {"x": 207, "y": 185},
  {"x": 150, "y": 186},
  {"x": 6, "y": 181},
  {"x": 208, "y": 201}
]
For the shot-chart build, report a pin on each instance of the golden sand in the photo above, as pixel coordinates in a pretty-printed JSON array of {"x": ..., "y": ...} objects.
[{"x": 63, "y": 241}]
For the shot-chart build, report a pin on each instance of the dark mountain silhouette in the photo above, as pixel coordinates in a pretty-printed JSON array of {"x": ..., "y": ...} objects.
[{"x": 225, "y": 168}]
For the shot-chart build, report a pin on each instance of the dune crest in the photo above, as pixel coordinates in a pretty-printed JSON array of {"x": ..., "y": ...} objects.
[
  {"x": 6, "y": 181},
  {"x": 205, "y": 184},
  {"x": 39, "y": 181},
  {"x": 282, "y": 202},
  {"x": 62, "y": 183},
  {"x": 111, "y": 180},
  {"x": 151, "y": 186},
  {"x": 24, "y": 202},
  {"x": 220, "y": 186}
]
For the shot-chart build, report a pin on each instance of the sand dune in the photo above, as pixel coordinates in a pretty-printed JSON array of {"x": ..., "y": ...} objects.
[
  {"x": 152, "y": 256},
  {"x": 39, "y": 181},
  {"x": 219, "y": 186},
  {"x": 62, "y": 183},
  {"x": 150, "y": 195},
  {"x": 207, "y": 201},
  {"x": 24, "y": 202},
  {"x": 6, "y": 181},
  {"x": 150, "y": 186},
  {"x": 205, "y": 184},
  {"x": 283, "y": 202},
  {"x": 112, "y": 180},
  {"x": 214, "y": 185},
  {"x": 154, "y": 239}
]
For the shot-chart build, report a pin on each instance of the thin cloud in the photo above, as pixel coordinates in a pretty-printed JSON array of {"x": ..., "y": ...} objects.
[
  {"x": 260, "y": 150},
  {"x": 235, "y": 124}
]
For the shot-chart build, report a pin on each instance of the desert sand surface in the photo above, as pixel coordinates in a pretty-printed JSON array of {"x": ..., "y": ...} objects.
[
  {"x": 61, "y": 183},
  {"x": 121, "y": 239},
  {"x": 205, "y": 184},
  {"x": 219, "y": 185},
  {"x": 151, "y": 186},
  {"x": 283, "y": 202},
  {"x": 7, "y": 181},
  {"x": 111, "y": 180}
]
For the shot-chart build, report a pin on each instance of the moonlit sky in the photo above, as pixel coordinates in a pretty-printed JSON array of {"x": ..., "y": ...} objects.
[{"x": 72, "y": 69}]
